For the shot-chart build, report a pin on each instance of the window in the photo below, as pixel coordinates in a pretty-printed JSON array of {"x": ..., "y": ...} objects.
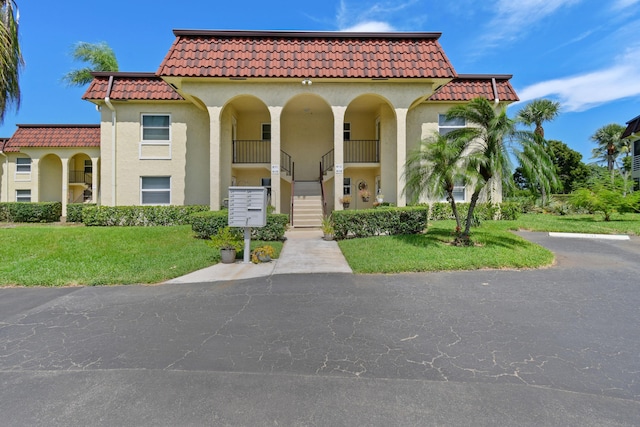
[
  {"x": 445, "y": 126},
  {"x": 155, "y": 190},
  {"x": 23, "y": 195},
  {"x": 23, "y": 165},
  {"x": 346, "y": 186},
  {"x": 266, "y": 131},
  {"x": 346, "y": 131},
  {"x": 156, "y": 127}
]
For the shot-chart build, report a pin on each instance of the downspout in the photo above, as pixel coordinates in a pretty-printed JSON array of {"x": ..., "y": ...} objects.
[
  {"x": 6, "y": 172},
  {"x": 107, "y": 101},
  {"x": 496, "y": 99}
]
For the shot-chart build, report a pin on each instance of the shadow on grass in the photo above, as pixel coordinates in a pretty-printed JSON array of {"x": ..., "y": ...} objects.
[{"x": 441, "y": 236}]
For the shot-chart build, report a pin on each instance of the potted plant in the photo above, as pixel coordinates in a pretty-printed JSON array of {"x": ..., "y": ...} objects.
[
  {"x": 346, "y": 201},
  {"x": 379, "y": 198},
  {"x": 327, "y": 227},
  {"x": 229, "y": 243},
  {"x": 365, "y": 194}
]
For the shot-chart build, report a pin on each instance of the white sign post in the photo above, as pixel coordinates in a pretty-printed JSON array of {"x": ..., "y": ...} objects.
[{"x": 247, "y": 208}]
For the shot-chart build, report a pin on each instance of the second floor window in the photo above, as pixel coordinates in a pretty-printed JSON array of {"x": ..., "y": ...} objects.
[
  {"x": 23, "y": 165},
  {"x": 266, "y": 131},
  {"x": 156, "y": 127},
  {"x": 445, "y": 126}
]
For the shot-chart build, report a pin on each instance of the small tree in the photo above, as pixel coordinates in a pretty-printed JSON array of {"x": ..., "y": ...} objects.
[{"x": 435, "y": 167}]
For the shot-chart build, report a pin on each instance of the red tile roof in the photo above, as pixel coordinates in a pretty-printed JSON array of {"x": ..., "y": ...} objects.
[
  {"x": 3, "y": 141},
  {"x": 468, "y": 86},
  {"x": 633, "y": 126},
  {"x": 54, "y": 136},
  {"x": 130, "y": 86},
  {"x": 283, "y": 54}
]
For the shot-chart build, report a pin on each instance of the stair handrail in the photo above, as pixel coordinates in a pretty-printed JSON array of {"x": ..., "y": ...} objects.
[
  {"x": 327, "y": 162},
  {"x": 293, "y": 191},
  {"x": 324, "y": 202}
]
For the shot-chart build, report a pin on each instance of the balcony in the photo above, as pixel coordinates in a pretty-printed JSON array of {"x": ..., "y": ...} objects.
[
  {"x": 80, "y": 178},
  {"x": 362, "y": 151}
]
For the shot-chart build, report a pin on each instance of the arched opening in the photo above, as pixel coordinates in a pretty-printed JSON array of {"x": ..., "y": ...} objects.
[
  {"x": 81, "y": 176},
  {"x": 370, "y": 166}
]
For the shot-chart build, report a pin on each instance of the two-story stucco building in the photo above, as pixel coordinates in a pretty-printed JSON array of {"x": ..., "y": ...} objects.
[{"x": 300, "y": 112}]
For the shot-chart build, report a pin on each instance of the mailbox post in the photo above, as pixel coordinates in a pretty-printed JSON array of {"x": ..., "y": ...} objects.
[{"x": 247, "y": 208}]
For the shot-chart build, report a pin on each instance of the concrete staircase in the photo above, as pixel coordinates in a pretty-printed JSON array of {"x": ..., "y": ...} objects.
[{"x": 307, "y": 204}]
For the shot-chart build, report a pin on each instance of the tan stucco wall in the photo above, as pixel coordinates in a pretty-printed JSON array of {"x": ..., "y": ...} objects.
[
  {"x": 185, "y": 160},
  {"x": 46, "y": 178}
]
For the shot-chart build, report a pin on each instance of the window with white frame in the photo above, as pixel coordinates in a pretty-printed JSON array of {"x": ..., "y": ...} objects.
[
  {"x": 346, "y": 131},
  {"x": 23, "y": 165},
  {"x": 346, "y": 186},
  {"x": 155, "y": 190},
  {"x": 156, "y": 128},
  {"x": 23, "y": 195},
  {"x": 266, "y": 131},
  {"x": 445, "y": 126}
]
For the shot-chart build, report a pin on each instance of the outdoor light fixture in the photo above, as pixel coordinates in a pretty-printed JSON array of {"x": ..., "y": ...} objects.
[{"x": 307, "y": 82}]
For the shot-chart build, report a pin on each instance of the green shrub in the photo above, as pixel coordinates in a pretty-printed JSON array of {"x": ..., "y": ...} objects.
[
  {"x": 382, "y": 220},
  {"x": 74, "y": 211},
  {"x": 30, "y": 212},
  {"x": 510, "y": 211},
  {"x": 139, "y": 215},
  {"x": 482, "y": 212},
  {"x": 207, "y": 224}
]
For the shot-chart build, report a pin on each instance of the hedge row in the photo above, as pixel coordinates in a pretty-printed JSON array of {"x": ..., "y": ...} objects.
[
  {"x": 206, "y": 224},
  {"x": 482, "y": 212},
  {"x": 373, "y": 222},
  {"x": 139, "y": 215},
  {"x": 30, "y": 211},
  {"x": 74, "y": 211}
]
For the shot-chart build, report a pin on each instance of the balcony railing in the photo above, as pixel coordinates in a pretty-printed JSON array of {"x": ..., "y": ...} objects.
[
  {"x": 252, "y": 151},
  {"x": 80, "y": 177},
  {"x": 259, "y": 151},
  {"x": 636, "y": 162},
  {"x": 362, "y": 151}
]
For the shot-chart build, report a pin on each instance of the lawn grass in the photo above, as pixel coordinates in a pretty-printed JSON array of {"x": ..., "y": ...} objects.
[
  {"x": 592, "y": 224},
  {"x": 49, "y": 255},
  {"x": 495, "y": 247}
]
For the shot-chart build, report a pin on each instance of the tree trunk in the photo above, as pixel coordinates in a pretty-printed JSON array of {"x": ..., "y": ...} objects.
[
  {"x": 472, "y": 207},
  {"x": 454, "y": 208}
]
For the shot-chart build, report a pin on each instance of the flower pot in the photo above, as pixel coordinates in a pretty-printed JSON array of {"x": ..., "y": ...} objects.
[
  {"x": 345, "y": 205},
  {"x": 327, "y": 236},
  {"x": 228, "y": 256},
  {"x": 365, "y": 199}
]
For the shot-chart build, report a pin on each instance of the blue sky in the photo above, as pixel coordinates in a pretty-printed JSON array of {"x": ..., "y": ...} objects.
[{"x": 583, "y": 53}]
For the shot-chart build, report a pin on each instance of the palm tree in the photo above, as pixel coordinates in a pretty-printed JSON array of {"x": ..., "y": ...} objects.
[
  {"x": 100, "y": 58},
  {"x": 11, "y": 61},
  {"x": 609, "y": 144},
  {"x": 435, "y": 167},
  {"x": 492, "y": 137},
  {"x": 536, "y": 113}
]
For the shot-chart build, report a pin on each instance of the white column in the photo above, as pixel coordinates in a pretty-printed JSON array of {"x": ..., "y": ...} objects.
[
  {"x": 65, "y": 185},
  {"x": 95, "y": 175},
  {"x": 275, "y": 158},
  {"x": 338, "y": 154},
  {"x": 214, "y": 157},
  {"x": 401, "y": 154},
  {"x": 35, "y": 180}
]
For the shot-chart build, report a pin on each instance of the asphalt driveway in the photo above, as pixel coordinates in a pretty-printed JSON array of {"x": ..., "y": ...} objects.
[{"x": 555, "y": 346}]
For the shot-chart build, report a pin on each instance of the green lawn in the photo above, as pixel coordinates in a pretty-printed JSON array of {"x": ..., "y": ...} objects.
[
  {"x": 50, "y": 255},
  {"x": 496, "y": 246}
]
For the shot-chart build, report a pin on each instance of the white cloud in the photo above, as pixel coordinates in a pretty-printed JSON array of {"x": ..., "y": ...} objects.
[
  {"x": 367, "y": 16},
  {"x": 623, "y": 4},
  {"x": 371, "y": 26},
  {"x": 513, "y": 18},
  {"x": 584, "y": 91}
]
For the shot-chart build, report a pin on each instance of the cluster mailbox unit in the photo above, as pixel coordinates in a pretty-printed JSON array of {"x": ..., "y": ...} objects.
[{"x": 247, "y": 208}]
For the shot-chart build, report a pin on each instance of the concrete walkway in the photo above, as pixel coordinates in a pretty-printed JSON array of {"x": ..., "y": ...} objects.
[{"x": 304, "y": 251}]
